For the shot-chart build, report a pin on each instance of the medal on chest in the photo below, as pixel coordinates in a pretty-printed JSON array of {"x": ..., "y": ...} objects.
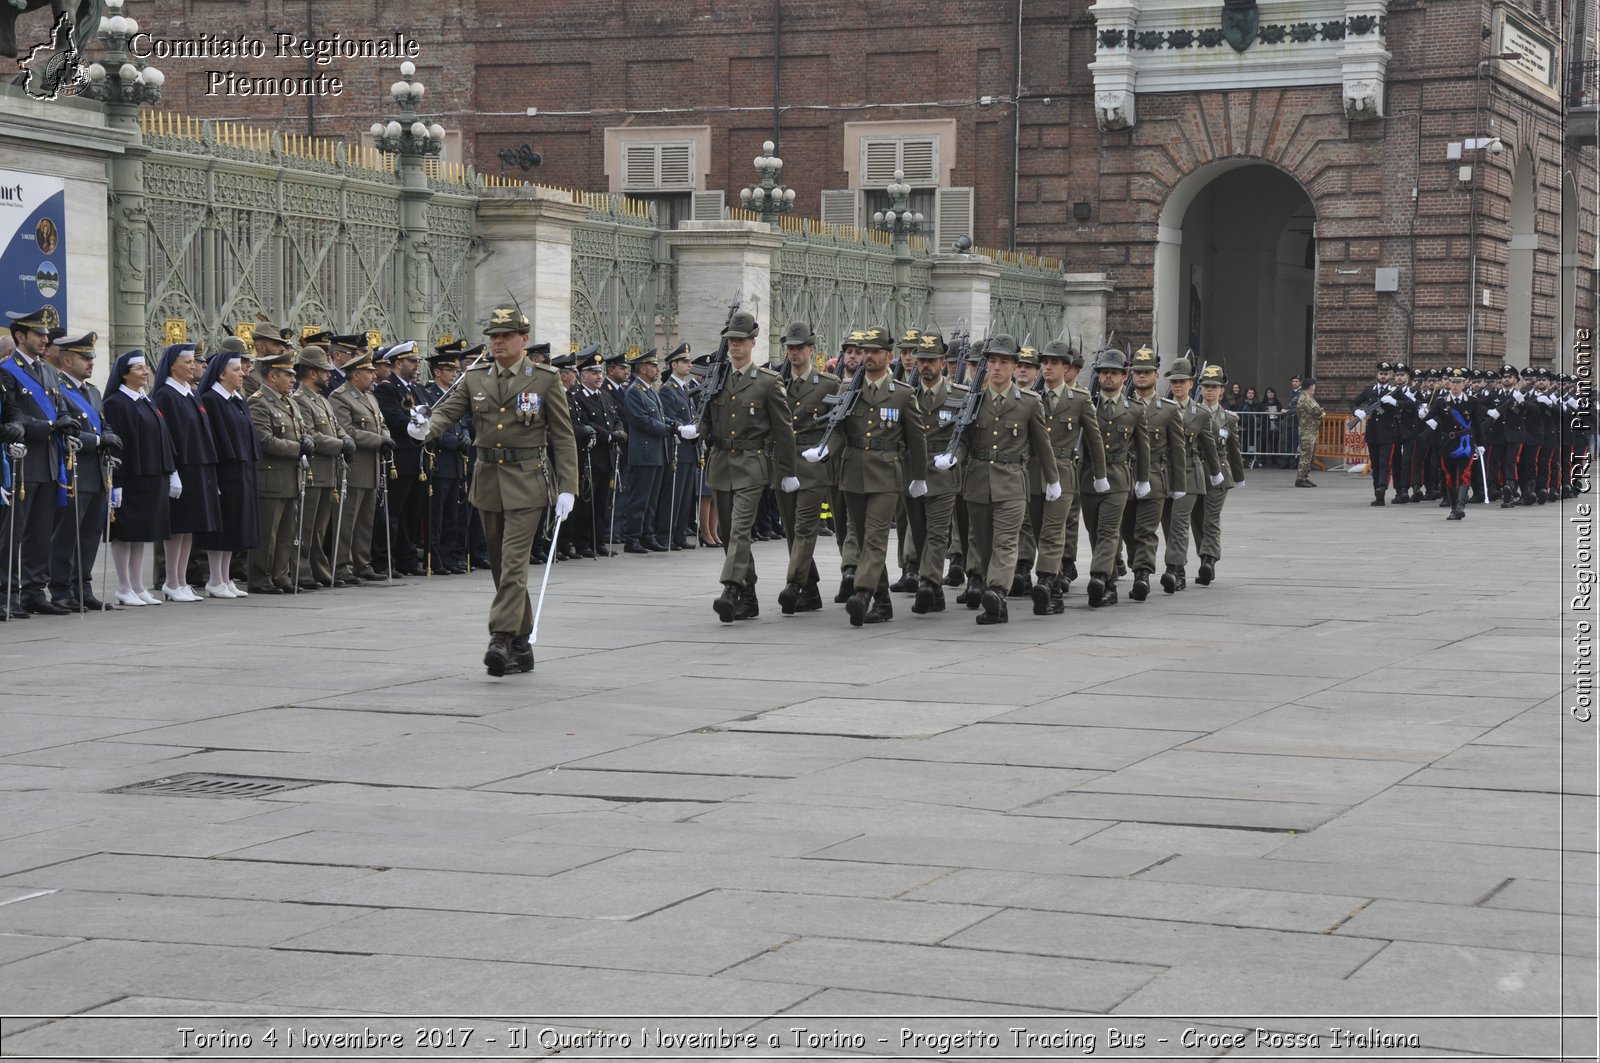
[
  {"x": 888, "y": 414},
  {"x": 528, "y": 405}
]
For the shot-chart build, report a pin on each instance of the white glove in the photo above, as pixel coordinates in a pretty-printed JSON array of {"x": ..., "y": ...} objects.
[
  {"x": 1361, "y": 415},
  {"x": 1141, "y": 488},
  {"x": 564, "y": 505},
  {"x": 417, "y": 430},
  {"x": 917, "y": 488},
  {"x": 1547, "y": 400},
  {"x": 1222, "y": 433},
  {"x": 1495, "y": 414},
  {"x": 1102, "y": 485},
  {"x": 1422, "y": 411},
  {"x": 689, "y": 431},
  {"x": 1178, "y": 494},
  {"x": 815, "y": 454},
  {"x": 1238, "y": 483},
  {"x": 1517, "y": 396},
  {"x": 944, "y": 462},
  {"x": 1389, "y": 400},
  {"x": 789, "y": 484},
  {"x": 116, "y": 498},
  {"x": 1431, "y": 423},
  {"x": 1216, "y": 479},
  {"x": 174, "y": 486},
  {"x": 1052, "y": 491},
  {"x": 17, "y": 451}
]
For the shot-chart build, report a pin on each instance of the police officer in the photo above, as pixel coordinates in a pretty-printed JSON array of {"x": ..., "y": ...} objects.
[
  {"x": 650, "y": 435},
  {"x": 1408, "y": 430},
  {"x": 446, "y": 468},
  {"x": 994, "y": 453},
  {"x": 360, "y": 419},
  {"x": 528, "y": 460},
  {"x": 740, "y": 423},
  {"x": 1168, "y": 473},
  {"x": 331, "y": 450},
  {"x": 1377, "y": 407},
  {"x": 1080, "y": 450},
  {"x": 676, "y": 513},
  {"x": 1458, "y": 420},
  {"x": 79, "y": 525},
  {"x": 806, "y": 389},
  {"x": 885, "y": 446},
  {"x": 1127, "y": 442},
  {"x": 932, "y": 516}
]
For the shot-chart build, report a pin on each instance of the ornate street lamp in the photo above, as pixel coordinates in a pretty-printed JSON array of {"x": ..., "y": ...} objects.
[
  {"x": 406, "y": 134},
  {"x": 769, "y": 198},
  {"x": 122, "y": 79},
  {"x": 899, "y": 219}
]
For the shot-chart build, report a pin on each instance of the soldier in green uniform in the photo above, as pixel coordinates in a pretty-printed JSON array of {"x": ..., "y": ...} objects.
[
  {"x": 284, "y": 442},
  {"x": 1309, "y": 413},
  {"x": 931, "y": 516},
  {"x": 1069, "y": 559},
  {"x": 527, "y": 460},
  {"x": 994, "y": 454},
  {"x": 1074, "y": 429},
  {"x": 749, "y": 417},
  {"x": 885, "y": 445},
  {"x": 1204, "y": 470},
  {"x": 1168, "y": 473},
  {"x": 806, "y": 387},
  {"x": 360, "y": 419},
  {"x": 1226, "y": 424},
  {"x": 904, "y": 369},
  {"x": 850, "y": 354},
  {"x": 330, "y": 447},
  {"x": 1127, "y": 471},
  {"x": 1027, "y": 378}
]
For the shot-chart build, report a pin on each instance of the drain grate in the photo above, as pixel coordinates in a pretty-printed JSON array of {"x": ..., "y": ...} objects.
[{"x": 206, "y": 784}]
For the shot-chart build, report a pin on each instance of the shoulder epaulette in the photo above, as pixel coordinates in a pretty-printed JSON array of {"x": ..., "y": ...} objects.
[
  {"x": 768, "y": 370},
  {"x": 1170, "y": 402}
]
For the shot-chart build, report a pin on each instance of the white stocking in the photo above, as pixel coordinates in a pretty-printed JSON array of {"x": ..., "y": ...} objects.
[
  {"x": 220, "y": 561},
  {"x": 120, "y": 556},
  {"x": 177, "y": 551}
]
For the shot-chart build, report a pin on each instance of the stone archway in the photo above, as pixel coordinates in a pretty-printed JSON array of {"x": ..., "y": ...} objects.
[{"x": 1235, "y": 272}]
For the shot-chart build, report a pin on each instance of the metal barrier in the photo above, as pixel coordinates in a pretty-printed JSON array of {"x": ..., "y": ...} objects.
[{"x": 1273, "y": 438}]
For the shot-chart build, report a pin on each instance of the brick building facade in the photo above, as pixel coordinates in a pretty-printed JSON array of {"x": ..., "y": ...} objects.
[{"x": 1249, "y": 203}]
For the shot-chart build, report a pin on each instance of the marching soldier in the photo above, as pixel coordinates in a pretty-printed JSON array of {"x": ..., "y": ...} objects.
[
  {"x": 1069, "y": 559},
  {"x": 1127, "y": 443},
  {"x": 1458, "y": 420},
  {"x": 1168, "y": 472},
  {"x": 79, "y": 526},
  {"x": 749, "y": 415},
  {"x": 446, "y": 467},
  {"x": 1069, "y": 417},
  {"x": 330, "y": 448},
  {"x": 1408, "y": 429},
  {"x": 994, "y": 455},
  {"x": 850, "y": 354},
  {"x": 904, "y": 368},
  {"x": 1226, "y": 424},
  {"x": 1027, "y": 378},
  {"x": 884, "y": 441},
  {"x": 1309, "y": 413},
  {"x": 806, "y": 389},
  {"x": 931, "y": 516},
  {"x": 360, "y": 419},
  {"x": 528, "y": 460},
  {"x": 650, "y": 434},
  {"x": 675, "y": 515},
  {"x": 1203, "y": 471},
  {"x": 283, "y": 440},
  {"x": 1377, "y": 407}
]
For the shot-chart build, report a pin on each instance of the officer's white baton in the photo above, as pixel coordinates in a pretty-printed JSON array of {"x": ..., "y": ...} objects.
[{"x": 549, "y": 563}]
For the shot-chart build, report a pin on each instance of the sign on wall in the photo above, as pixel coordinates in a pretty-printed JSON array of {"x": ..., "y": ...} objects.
[{"x": 33, "y": 243}]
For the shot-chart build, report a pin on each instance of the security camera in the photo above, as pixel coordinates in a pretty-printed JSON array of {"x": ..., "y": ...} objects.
[{"x": 1496, "y": 146}]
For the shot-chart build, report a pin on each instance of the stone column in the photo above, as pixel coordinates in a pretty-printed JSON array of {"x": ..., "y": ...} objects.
[
  {"x": 720, "y": 262},
  {"x": 1086, "y": 297},
  {"x": 526, "y": 240},
  {"x": 961, "y": 285},
  {"x": 130, "y": 234},
  {"x": 1115, "y": 79},
  {"x": 411, "y": 279}
]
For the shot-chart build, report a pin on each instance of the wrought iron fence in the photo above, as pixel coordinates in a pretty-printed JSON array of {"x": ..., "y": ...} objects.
[{"x": 624, "y": 283}]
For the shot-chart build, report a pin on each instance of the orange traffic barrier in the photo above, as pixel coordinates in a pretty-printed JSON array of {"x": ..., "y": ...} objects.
[{"x": 1335, "y": 446}]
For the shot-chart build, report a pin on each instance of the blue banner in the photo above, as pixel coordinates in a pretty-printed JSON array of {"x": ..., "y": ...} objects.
[{"x": 33, "y": 243}]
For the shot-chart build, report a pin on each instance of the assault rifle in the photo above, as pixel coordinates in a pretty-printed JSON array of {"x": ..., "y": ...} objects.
[{"x": 716, "y": 377}]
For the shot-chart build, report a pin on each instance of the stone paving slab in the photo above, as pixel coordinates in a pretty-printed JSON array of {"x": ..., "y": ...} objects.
[
  {"x": 1254, "y": 777},
  {"x": 992, "y": 786},
  {"x": 1400, "y": 882},
  {"x": 158, "y": 875},
  {"x": 1475, "y": 926},
  {"x": 432, "y": 852},
  {"x": 1186, "y": 811},
  {"x": 1039, "y": 746},
  {"x": 1188, "y": 715},
  {"x": 869, "y": 718},
  {"x": 734, "y": 752},
  {"x": 1009, "y": 856},
  {"x": 811, "y": 915},
  {"x": 196, "y": 921}
]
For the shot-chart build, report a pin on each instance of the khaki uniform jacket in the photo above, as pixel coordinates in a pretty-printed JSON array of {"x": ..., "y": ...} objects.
[
  {"x": 522, "y": 430},
  {"x": 740, "y": 425},
  {"x": 996, "y": 449},
  {"x": 359, "y": 416},
  {"x": 317, "y": 414},
  {"x": 806, "y": 394},
  {"x": 939, "y": 405},
  {"x": 1168, "y": 452},
  {"x": 886, "y": 443},
  {"x": 278, "y": 430},
  {"x": 1226, "y": 423},
  {"x": 1200, "y": 438},
  {"x": 1068, "y": 419},
  {"x": 1127, "y": 441}
]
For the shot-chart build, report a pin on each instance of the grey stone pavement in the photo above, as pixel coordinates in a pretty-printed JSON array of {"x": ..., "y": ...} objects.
[{"x": 1339, "y": 783}]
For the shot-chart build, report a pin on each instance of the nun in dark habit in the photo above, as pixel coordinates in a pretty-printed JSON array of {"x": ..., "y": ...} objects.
[
  {"x": 234, "y": 437},
  {"x": 196, "y": 504},
  {"x": 140, "y": 485}
]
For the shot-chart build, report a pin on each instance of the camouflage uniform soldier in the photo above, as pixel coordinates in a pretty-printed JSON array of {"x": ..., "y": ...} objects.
[
  {"x": 740, "y": 423},
  {"x": 1204, "y": 469},
  {"x": 1310, "y": 417},
  {"x": 806, "y": 388}
]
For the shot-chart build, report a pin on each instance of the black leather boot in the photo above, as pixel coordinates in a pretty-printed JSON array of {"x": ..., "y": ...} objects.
[
  {"x": 930, "y": 598},
  {"x": 1021, "y": 582},
  {"x": 907, "y": 583},
  {"x": 1208, "y": 571},
  {"x": 749, "y": 606},
  {"x": 1058, "y": 599},
  {"x": 994, "y": 606},
  {"x": 1183, "y": 579},
  {"x": 1377, "y": 496},
  {"x": 1097, "y": 590},
  {"x": 881, "y": 610},
  {"x": 857, "y": 607},
  {"x": 788, "y": 598},
  {"x": 957, "y": 575},
  {"x": 497, "y": 659},
  {"x": 972, "y": 597},
  {"x": 1169, "y": 580},
  {"x": 521, "y": 654},
  {"x": 1141, "y": 585},
  {"x": 1459, "y": 510},
  {"x": 727, "y": 602},
  {"x": 810, "y": 599},
  {"x": 1041, "y": 594},
  {"x": 847, "y": 586}
]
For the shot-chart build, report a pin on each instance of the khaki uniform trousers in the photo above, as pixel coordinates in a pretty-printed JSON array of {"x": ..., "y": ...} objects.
[
  {"x": 1049, "y": 524},
  {"x": 1140, "y": 523},
  {"x": 270, "y": 562},
  {"x": 1074, "y": 515},
  {"x": 1211, "y": 521},
  {"x": 1027, "y": 537},
  {"x": 849, "y": 546},
  {"x": 871, "y": 518},
  {"x": 320, "y": 509},
  {"x": 932, "y": 519},
  {"x": 802, "y": 515},
  {"x": 736, "y": 516},
  {"x": 1175, "y": 518},
  {"x": 1102, "y": 515},
  {"x": 355, "y": 535},
  {"x": 994, "y": 528},
  {"x": 510, "y": 534}
]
